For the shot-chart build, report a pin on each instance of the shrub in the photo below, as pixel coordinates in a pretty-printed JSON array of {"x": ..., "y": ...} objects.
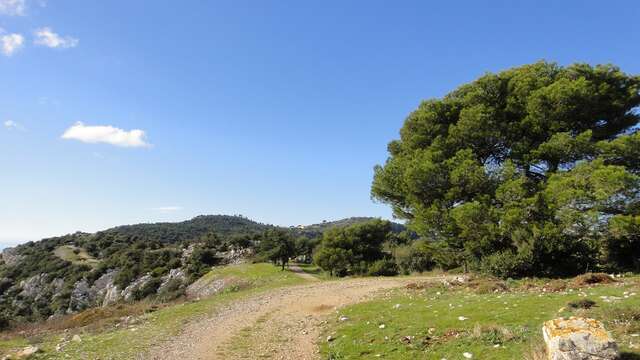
[
  {"x": 149, "y": 288},
  {"x": 581, "y": 304},
  {"x": 172, "y": 290},
  {"x": 417, "y": 257},
  {"x": 4, "y": 323},
  {"x": 505, "y": 264},
  {"x": 384, "y": 267}
]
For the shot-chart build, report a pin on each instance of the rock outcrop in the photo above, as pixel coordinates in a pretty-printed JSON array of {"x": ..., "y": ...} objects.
[
  {"x": 578, "y": 338},
  {"x": 81, "y": 297},
  {"x": 11, "y": 257},
  {"x": 173, "y": 278},
  {"x": 106, "y": 292},
  {"x": 129, "y": 292}
]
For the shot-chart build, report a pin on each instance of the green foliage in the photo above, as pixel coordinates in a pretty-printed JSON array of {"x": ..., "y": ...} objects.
[
  {"x": 277, "y": 246},
  {"x": 353, "y": 248},
  {"x": 383, "y": 267},
  {"x": 417, "y": 257},
  {"x": 528, "y": 171}
]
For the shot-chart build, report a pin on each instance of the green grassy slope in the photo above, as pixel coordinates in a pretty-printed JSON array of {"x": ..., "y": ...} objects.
[
  {"x": 125, "y": 342},
  {"x": 440, "y": 323}
]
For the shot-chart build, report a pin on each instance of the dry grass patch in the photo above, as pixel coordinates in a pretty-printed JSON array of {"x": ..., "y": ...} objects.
[{"x": 592, "y": 279}]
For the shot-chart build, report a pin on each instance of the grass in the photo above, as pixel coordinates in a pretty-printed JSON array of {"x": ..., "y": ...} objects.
[
  {"x": 125, "y": 342},
  {"x": 75, "y": 255},
  {"x": 438, "y": 322}
]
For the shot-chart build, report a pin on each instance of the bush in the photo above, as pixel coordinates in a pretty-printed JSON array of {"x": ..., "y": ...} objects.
[
  {"x": 384, "y": 267},
  {"x": 505, "y": 264},
  {"x": 582, "y": 304},
  {"x": 149, "y": 288},
  {"x": 4, "y": 323},
  {"x": 417, "y": 257},
  {"x": 172, "y": 290}
]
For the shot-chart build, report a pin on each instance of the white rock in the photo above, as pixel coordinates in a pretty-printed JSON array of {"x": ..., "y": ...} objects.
[
  {"x": 76, "y": 338},
  {"x": 462, "y": 318},
  {"x": 382, "y": 326},
  {"x": 27, "y": 352},
  {"x": 578, "y": 339},
  {"x": 468, "y": 355}
]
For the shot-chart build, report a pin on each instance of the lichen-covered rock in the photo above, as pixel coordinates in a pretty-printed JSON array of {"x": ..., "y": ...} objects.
[{"x": 578, "y": 339}]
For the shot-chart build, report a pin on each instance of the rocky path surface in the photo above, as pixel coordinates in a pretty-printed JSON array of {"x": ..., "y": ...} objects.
[{"x": 282, "y": 324}]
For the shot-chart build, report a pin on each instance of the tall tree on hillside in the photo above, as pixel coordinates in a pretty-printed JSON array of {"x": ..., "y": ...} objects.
[
  {"x": 524, "y": 171},
  {"x": 278, "y": 246}
]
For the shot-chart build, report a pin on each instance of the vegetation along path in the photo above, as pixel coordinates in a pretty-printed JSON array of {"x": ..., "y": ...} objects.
[{"x": 283, "y": 324}]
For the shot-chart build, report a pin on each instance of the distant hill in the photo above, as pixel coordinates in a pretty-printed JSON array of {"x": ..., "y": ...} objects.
[
  {"x": 69, "y": 273},
  {"x": 169, "y": 233}
]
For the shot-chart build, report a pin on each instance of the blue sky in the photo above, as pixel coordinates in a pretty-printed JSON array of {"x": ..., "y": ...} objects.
[{"x": 277, "y": 110}]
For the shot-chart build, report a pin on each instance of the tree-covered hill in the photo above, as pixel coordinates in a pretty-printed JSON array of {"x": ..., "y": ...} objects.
[{"x": 65, "y": 274}]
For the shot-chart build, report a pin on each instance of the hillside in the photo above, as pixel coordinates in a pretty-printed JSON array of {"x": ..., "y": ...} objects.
[{"x": 66, "y": 274}]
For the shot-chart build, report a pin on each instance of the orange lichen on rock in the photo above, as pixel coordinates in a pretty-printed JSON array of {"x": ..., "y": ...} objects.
[{"x": 578, "y": 338}]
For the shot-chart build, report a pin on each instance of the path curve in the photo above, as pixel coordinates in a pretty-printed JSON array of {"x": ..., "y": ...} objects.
[{"x": 283, "y": 323}]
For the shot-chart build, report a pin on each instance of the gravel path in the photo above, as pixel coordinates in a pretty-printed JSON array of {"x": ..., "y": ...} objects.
[{"x": 282, "y": 324}]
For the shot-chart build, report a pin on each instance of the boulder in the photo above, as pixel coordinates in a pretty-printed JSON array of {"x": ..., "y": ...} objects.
[
  {"x": 27, "y": 352},
  {"x": 578, "y": 338}
]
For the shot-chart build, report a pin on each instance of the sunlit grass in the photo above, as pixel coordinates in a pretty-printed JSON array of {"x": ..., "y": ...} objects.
[
  {"x": 436, "y": 323},
  {"x": 127, "y": 342}
]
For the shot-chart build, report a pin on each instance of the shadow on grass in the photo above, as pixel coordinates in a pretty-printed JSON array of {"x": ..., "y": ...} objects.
[{"x": 629, "y": 356}]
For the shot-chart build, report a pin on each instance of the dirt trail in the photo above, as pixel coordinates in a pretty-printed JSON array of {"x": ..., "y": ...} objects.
[
  {"x": 282, "y": 324},
  {"x": 298, "y": 271}
]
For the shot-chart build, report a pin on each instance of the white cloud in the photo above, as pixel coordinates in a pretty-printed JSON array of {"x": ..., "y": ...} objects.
[
  {"x": 46, "y": 37},
  {"x": 106, "y": 134},
  {"x": 167, "y": 209},
  {"x": 12, "y": 125},
  {"x": 13, "y": 7},
  {"x": 11, "y": 43}
]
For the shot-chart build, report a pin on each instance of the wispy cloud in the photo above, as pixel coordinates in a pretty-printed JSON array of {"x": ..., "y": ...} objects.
[
  {"x": 12, "y": 125},
  {"x": 13, "y": 7},
  {"x": 11, "y": 43},
  {"x": 106, "y": 134},
  {"x": 46, "y": 37},
  {"x": 167, "y": 209}
]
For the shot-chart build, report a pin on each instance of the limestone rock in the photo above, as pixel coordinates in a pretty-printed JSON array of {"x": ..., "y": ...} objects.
[
  {"x": 578, "y": 339},
  {"x": 81, "y": 296},
  {"x": 174, "y": 275},
  {"x": 106, "y": 293},
  {"x": 207, "y": 286},
  {"x": 128, "y": 292},
  {"x": 27, "y": 352},
  {"x": 11, "y": 257}
]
